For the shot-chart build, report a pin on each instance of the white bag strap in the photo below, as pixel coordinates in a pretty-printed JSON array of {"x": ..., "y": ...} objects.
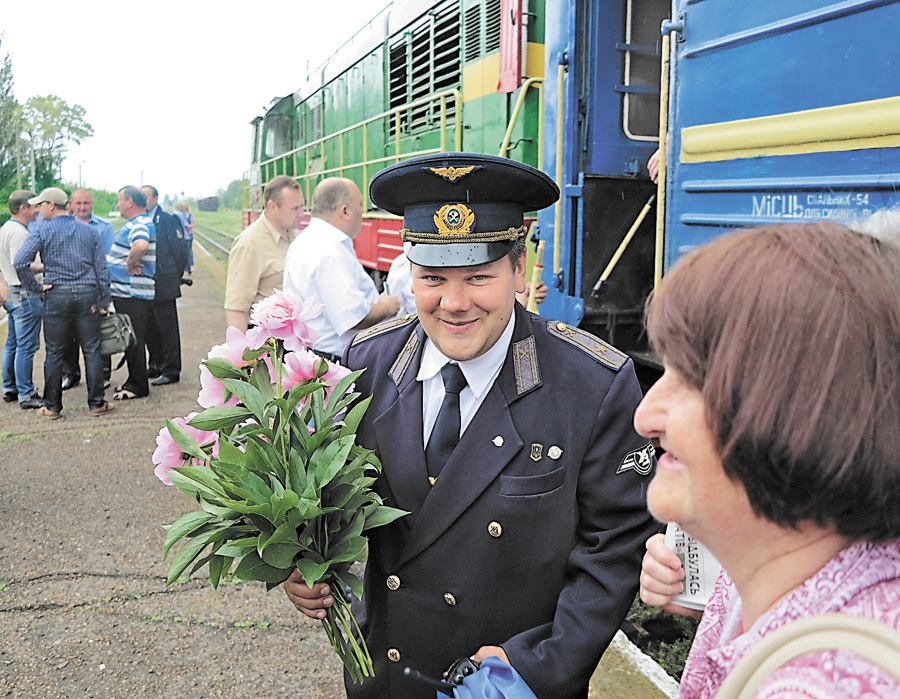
[{"x": 866, "y": 638}]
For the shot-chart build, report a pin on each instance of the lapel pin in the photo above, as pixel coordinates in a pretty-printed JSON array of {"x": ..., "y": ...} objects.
[
  {"x": 537, "y": 450},
  {"x": 498, "y": 441},
  {"x": 554, "y": 452}
]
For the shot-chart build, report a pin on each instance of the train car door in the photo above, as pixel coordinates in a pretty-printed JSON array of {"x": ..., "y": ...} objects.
[{"x": 781, "y": 110}]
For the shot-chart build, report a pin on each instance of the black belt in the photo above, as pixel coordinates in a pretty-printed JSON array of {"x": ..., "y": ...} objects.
[
  {"x": 327, "y": 355},
  {"x": 73, "y": 287}
]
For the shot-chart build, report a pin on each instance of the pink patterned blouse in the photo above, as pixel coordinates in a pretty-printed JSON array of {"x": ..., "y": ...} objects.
[{"x": 864, "y": 579}]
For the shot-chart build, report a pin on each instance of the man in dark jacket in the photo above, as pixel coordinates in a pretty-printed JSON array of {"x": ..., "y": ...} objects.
[
  {"x": 509, "y": 439},
  {"x": 164, "y": 338}
]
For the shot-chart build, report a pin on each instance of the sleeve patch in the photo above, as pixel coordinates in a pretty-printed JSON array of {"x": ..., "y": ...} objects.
[{"x": 640, "y": 460}]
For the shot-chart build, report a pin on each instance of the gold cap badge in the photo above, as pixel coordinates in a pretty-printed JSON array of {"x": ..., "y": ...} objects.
[
  {"x": 452, "y": 173},
  {"x": 454, "y": 219}
]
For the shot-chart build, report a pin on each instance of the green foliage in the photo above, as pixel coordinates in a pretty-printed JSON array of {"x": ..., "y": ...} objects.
[
  {"x": 280, "y": 496},
  {"x": 231, "y": 196}
]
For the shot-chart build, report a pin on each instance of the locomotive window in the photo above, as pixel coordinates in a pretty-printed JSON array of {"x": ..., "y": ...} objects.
[
  {"x": 278, "y": 134},
  {"x": 641, "y": 79}
]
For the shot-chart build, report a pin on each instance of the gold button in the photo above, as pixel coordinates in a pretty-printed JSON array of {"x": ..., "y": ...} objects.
[
  {"x": 494, "y": 529},
  {"x": 560, "y": 326},
  {"x": 449, "y": 599},
  {"x": 393, "y": 655},
  {"x": 393, "y": 582}
]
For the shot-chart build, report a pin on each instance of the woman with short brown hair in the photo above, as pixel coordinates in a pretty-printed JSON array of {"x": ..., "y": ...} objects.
[{"x": 779, "y": 412}]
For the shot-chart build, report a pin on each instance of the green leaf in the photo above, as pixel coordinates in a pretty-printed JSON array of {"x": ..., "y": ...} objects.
[
  {"x": 281, "y": 504},
  {"x": 261, "y": 380},
  {"x": 223, "y": 418},
  {"x": 186, "y": 554},
  {"x": 252, "y": 567},
  {"x": 383, "y": 515},
  {"x": 311, "y": 570},
  {"x": 193, "y": 480},
  {"x": 248, "y": 395},
  {"x": 326, "y": 463},
  {"x": 354, "y": 583},
  {"x": 185, "y": 441},
  {"x": 218, "y": 567},
  {"x": 238, "y": 547},
  {"x": 230, "y": 454},
  {"x": 183, "y": 526},
  {"x": 296, "y": 472},
  {"x": 279, "y": 549},
  {"x": 354, "y": 417},
  {"x": 347, "y": 549},
  {"x": 338, "y": 393},
  {"x": 250, "y": 355},
  {"x": 221, "y": 368}
]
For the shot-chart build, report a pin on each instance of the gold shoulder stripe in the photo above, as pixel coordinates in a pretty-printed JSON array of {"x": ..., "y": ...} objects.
[
  {"x": 382, "y": 328},
  {"x": 528, "y": 373},
  {"x": 404, "y": 359},
  {"x": 602, "y": 352}
]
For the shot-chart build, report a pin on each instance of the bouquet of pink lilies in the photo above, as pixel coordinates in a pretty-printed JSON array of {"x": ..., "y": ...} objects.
[{"x": 274, "y": 465}]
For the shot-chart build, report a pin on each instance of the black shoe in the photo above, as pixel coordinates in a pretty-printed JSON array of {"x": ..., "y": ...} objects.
[
  {"x": 70, "y": 382},
  {"x": 32, "y": 403},
  {"x": 105, "y": 384},
  {"x": 10, "y": 397},
  {"x": 163, "y": 380},
  {"x": 153, "y": 373}
]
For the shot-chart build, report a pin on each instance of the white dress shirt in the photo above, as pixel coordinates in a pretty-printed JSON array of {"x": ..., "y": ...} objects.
[
  {"x": 480, "y": 374},
  {"x": 322, "y": 266}
]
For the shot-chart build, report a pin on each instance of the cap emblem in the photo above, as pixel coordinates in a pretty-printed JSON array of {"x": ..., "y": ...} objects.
[
  {"x": 452, "y": 173},
  {"x": 454, "y": 219}
]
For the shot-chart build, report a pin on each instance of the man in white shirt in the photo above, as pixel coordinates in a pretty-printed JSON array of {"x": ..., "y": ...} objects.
[{"x": 322, "y": 266}]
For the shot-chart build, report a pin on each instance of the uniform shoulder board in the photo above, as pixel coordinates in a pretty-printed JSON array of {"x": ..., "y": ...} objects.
[
  {"x": 602, "y": 352},
  {"x": 382, "y": 328}
]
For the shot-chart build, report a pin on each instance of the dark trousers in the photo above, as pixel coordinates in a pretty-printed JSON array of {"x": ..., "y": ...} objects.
[
  {"x": 71, "y": 367},
  {"x": 141, "y": 313},
  {"x": 164, "y": 340},
  {"x": 71, "y": 311}
]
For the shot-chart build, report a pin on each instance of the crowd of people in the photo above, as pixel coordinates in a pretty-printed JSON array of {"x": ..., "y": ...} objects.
[
  {"x": 64, "y": 268},
  {"x": 536, "y": 475}
]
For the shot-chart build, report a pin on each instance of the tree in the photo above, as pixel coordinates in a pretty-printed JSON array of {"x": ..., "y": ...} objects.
[
  {"x": 10, "y": 120},
  {"x": 232, "y": 196},
  {"x": 52, "y": 124}
]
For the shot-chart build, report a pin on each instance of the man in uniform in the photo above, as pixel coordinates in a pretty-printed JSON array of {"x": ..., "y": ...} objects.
[
  {"x": 525, "y": 537},
  {"x": 164, "y": 337},
  {"x": 256, "y": 260}
]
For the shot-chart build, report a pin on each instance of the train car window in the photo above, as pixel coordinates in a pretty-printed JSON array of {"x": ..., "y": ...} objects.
[{"x": 642, "y": 60}]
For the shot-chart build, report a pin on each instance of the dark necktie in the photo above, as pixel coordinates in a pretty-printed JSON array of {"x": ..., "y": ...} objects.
[{"x": 445, "y": 433}]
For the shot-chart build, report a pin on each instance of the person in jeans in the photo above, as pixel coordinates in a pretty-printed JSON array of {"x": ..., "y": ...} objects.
[
  {"x": 76, "y": 293},
  {"x": 24, "y": 308}
]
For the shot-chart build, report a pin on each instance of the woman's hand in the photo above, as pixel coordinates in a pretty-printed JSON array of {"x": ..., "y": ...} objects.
[
  {"x": 661, "y": 577},
  {"x": 311, "y": 601}
]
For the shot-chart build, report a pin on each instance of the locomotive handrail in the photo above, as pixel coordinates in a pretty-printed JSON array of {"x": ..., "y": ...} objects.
[
  {"x": 440, "y": 97},
  {"x": 659, "y": 243},
  {"x": 538, "y": 84}
]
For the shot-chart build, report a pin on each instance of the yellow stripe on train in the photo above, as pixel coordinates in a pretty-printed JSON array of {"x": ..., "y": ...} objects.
[
  {"x": 480, "y": 78},
  {"x": 871, "y": 124}
]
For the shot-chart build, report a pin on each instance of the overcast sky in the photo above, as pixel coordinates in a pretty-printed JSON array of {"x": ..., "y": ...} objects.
[{"x": 170, "y": 87}]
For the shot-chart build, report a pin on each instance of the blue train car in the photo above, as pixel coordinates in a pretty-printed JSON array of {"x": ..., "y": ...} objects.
[{"x": 777, "y": 110}]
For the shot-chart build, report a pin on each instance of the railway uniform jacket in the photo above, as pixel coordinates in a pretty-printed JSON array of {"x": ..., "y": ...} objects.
[
  {"x": 533, "y": 534},
  {"x": 171, "y": 254}
]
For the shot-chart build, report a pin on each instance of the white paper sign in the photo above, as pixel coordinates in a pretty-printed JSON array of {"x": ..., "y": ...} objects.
[{"x": 701, "y": 569}]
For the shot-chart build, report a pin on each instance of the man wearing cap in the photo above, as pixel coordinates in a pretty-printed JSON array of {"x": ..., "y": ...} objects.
[
  {"x": 24, "y": 308},
  {"x": 76, "y": 294},
  {"x": 322, "y": 266},
  {"x": 132, "y": 269},
  {"x": 507, "y": 437}
]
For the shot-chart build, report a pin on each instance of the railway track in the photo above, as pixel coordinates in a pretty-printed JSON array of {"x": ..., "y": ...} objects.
[{"x": 216, "y": 242}]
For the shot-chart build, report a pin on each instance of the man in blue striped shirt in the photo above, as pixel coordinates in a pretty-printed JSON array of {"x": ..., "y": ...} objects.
[
  {"x": 132, "y": 269},
  {"x": 76, "y": 294}
]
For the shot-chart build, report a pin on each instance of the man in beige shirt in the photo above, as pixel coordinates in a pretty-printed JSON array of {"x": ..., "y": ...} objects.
[{"x": 256, "y": 260}]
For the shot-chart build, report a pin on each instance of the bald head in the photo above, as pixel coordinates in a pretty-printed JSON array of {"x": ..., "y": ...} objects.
[
  {"x": 82, "y": 205},
  {"x": 338, "y": 201}
]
